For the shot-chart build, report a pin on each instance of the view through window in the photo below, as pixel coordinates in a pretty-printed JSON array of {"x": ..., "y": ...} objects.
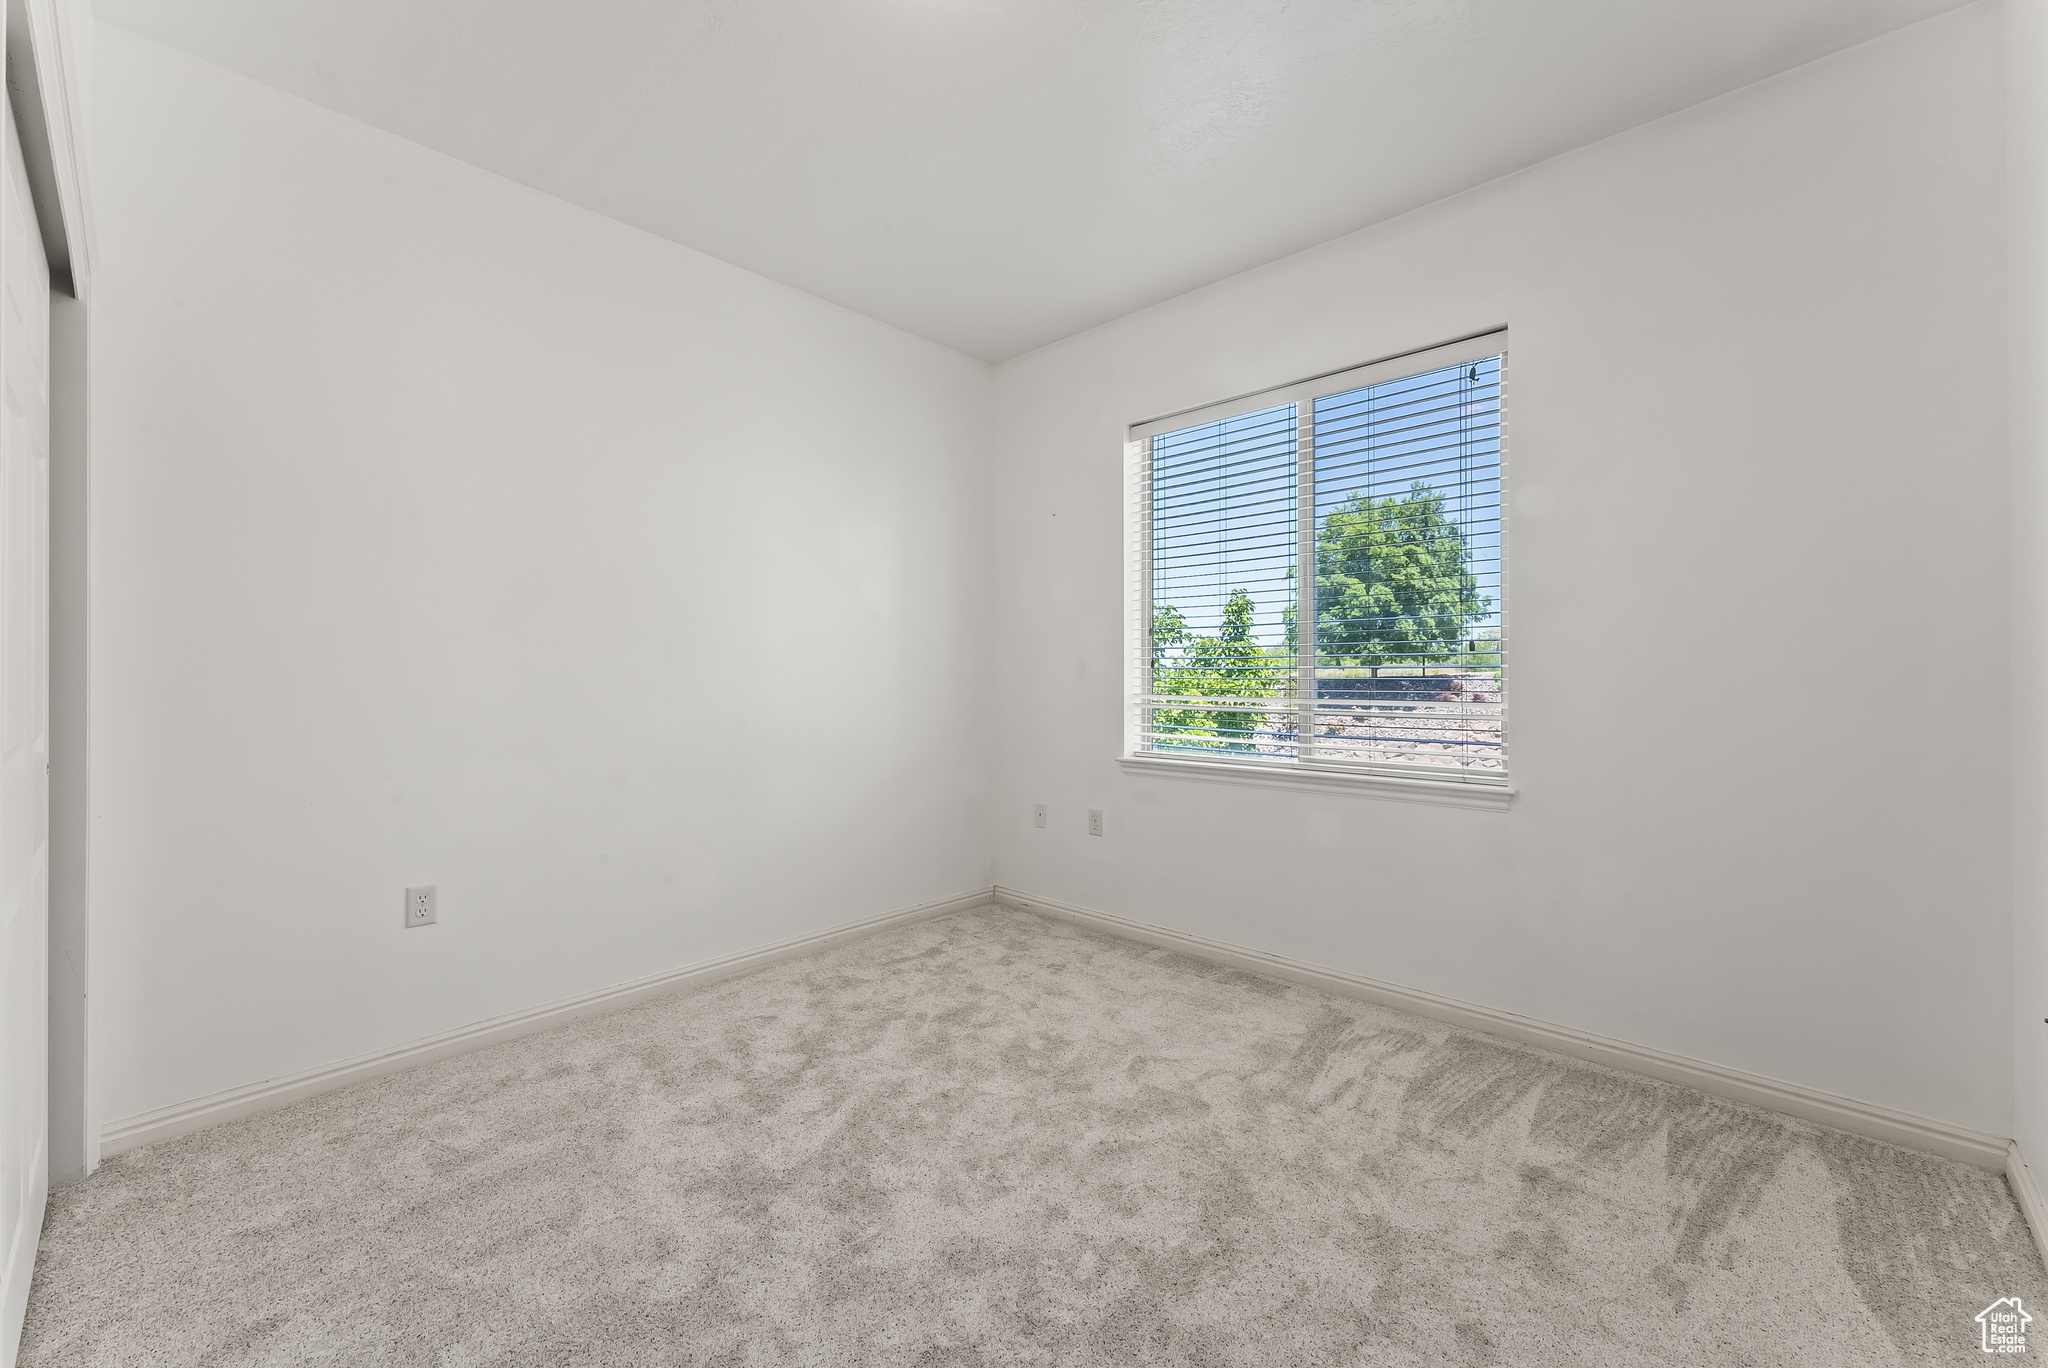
[{"x": 1386, "y": 483}]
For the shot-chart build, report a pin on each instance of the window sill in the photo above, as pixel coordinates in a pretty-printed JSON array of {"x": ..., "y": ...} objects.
[{"x": 1443, "y": 792}]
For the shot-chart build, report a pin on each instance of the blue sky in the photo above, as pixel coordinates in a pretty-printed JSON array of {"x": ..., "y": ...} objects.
[{"x": 1224, "y": 492}]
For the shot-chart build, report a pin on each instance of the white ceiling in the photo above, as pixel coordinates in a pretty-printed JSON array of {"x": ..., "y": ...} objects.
[{"x": 997, "y": 174}]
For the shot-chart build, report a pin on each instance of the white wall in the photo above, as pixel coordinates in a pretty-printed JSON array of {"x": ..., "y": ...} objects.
[
  {"x": 2026, "y": 35},
  {"x": 1758, "y": 585},
  {"x": 447, "y": 533}
]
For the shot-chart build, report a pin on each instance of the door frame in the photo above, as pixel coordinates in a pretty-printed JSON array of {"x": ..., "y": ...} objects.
[{"x": 47, "y": 54}]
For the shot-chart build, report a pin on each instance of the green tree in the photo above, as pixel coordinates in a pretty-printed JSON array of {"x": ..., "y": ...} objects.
[
  {"x": 1392, "y": 585},
  {"x": 1170, "y": 632},
  {"x": 1169, "y": 629},
  {"x": 1230, "y": 664}
]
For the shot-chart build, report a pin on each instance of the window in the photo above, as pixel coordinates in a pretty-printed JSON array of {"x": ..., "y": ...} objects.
[{"x": 1317, "y": 578}]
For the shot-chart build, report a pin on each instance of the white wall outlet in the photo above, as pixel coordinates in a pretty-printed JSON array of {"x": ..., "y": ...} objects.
[
  {"x": 420, "y": 906},
  {"x": 1038, "y": 815},
  {"x": 1094, "y": 821}
]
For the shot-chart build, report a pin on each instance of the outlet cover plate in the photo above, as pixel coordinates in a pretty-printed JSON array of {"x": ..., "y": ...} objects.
[{"x": 422, "y": 905}]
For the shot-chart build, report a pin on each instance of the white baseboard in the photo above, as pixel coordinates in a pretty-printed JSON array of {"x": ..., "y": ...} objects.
[
  {"x": 162, "y": 1124},
  {"x": 1974, "y": 1147},
  {"x": 1979, "y": 1148},
  {"x": 2020, "y": 1178}
]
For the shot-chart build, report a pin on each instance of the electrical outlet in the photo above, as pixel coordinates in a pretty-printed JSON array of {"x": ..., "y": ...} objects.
[
  {"x": 420, "y": 906},
  {"x": 1094, "y": 821},
  {"x": 1038, "y": 815}
]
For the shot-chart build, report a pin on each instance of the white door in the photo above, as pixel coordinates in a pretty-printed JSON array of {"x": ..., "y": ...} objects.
[{"x": 24, "y": 739}]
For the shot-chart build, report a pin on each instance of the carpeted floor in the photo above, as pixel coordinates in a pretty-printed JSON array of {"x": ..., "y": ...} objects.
[{"x": 994, "y": 1138}]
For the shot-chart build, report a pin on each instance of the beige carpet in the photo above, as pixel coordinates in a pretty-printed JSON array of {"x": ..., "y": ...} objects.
[{"x": 995, "y": 1139}]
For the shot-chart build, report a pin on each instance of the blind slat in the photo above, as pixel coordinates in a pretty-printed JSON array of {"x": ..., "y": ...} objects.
[{"x": 1224, "y": 672}]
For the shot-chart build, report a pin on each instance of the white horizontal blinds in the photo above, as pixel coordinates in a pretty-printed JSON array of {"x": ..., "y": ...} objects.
[
  {"x": 1409, "y": 653},
  {"x": 1221, "y": 558}
]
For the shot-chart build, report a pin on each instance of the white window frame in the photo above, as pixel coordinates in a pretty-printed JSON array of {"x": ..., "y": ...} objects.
[{"x": 1490, "y": 789}]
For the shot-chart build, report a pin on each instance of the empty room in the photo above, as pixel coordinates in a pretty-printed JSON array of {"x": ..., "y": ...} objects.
[{"x": 968, "y": 682}]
